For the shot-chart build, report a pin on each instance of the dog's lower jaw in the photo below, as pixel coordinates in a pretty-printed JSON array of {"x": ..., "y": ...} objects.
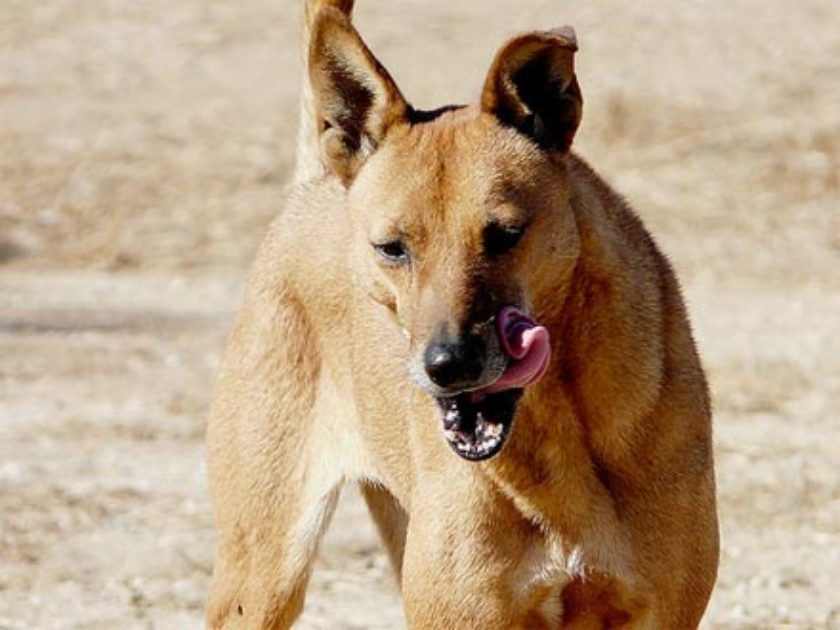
[{"x": 477, "y": 427}]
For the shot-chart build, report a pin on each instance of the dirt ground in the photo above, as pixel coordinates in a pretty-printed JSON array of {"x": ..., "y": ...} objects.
[{"x": 143, "y": 149}]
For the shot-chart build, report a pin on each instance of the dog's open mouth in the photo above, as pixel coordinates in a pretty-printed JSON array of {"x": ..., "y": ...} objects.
[
  {"x": 477, "y": 423},
  {"x": 476, "y": 426}
]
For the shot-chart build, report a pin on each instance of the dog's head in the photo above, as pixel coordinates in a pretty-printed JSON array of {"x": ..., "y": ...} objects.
[{"x": 459, "y": 214}]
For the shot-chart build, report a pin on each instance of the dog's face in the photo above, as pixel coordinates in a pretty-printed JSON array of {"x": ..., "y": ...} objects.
[
  {"x": 456, "y": 219},
  {"x": 457, "y": 213}
]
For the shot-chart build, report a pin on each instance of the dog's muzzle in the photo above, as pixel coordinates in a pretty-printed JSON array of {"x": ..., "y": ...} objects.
[{"x": 477, "y": 421}]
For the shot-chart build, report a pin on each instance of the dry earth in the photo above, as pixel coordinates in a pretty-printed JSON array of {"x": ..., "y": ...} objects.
[{"x": 143, "y": 148}]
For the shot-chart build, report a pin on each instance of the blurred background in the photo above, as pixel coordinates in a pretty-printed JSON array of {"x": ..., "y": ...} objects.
[{"x": 144, "y": 147}]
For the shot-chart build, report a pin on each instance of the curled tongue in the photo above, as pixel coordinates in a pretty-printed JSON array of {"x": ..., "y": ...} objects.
[{"x": 527, "y": 346}]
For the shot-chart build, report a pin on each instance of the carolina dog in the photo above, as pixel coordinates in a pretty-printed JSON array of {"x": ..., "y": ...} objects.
[{"x": 454, "y": 310}]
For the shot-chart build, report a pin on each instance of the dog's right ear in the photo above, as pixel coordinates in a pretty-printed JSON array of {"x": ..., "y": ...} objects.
[{"x": 356, "y": 100}]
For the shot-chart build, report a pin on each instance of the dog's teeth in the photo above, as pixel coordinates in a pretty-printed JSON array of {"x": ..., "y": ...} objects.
[
  {"x": 467, "y": 429},
  {"x": 450, "y": 419},
  {"x": 493, "y": 430}
]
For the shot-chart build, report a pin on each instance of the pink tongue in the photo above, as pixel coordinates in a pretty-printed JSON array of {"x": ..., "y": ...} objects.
[{"x": 528, "y": 347}]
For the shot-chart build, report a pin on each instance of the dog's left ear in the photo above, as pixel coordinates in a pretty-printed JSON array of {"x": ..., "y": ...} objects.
[
  {"x": 356, "y": 99},
  {"x": 532, "y": 87}
]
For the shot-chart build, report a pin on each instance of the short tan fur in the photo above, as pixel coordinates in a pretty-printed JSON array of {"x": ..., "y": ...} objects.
[{"x": 600, "y": 509}]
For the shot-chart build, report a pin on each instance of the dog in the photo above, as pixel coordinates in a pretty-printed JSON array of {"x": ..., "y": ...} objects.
[{"x": 456, "y": 312}]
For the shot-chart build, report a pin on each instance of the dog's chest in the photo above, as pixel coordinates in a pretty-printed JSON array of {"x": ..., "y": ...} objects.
[{"x": 543, "y": 572}]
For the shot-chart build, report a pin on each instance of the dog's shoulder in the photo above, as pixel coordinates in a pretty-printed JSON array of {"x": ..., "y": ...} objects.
[
  {"x": 302, "y": 259},
  {"x": 306, "y": 241}
]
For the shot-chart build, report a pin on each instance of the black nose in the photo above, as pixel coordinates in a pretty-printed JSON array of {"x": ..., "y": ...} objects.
[{"x": 455, "y": 363}]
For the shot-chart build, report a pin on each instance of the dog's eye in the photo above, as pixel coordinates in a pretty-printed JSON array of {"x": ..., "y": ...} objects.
[
  {"x": 499, "y": 239},
  {"x": 393, "y": 252}
]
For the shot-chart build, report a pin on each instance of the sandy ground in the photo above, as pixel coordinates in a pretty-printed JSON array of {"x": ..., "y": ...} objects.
[{"x": 143, "y": 147}]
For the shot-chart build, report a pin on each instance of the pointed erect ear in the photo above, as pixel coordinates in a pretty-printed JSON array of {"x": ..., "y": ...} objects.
[
  {"x": 356, "y": 100},
  {"x": 532, "y": 86}
]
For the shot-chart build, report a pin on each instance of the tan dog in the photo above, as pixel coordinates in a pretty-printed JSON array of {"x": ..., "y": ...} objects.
[{"x": 370, "y": 343}]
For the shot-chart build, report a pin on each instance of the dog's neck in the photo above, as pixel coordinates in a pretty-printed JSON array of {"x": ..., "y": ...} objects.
[{"x": 604, "y": 336}]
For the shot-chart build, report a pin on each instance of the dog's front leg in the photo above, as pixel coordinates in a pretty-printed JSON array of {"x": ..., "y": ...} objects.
[
  {"x": 275, "y": 466},
  {"x": 469, "y": 558},
  {"x": 266, "y": 547}
]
